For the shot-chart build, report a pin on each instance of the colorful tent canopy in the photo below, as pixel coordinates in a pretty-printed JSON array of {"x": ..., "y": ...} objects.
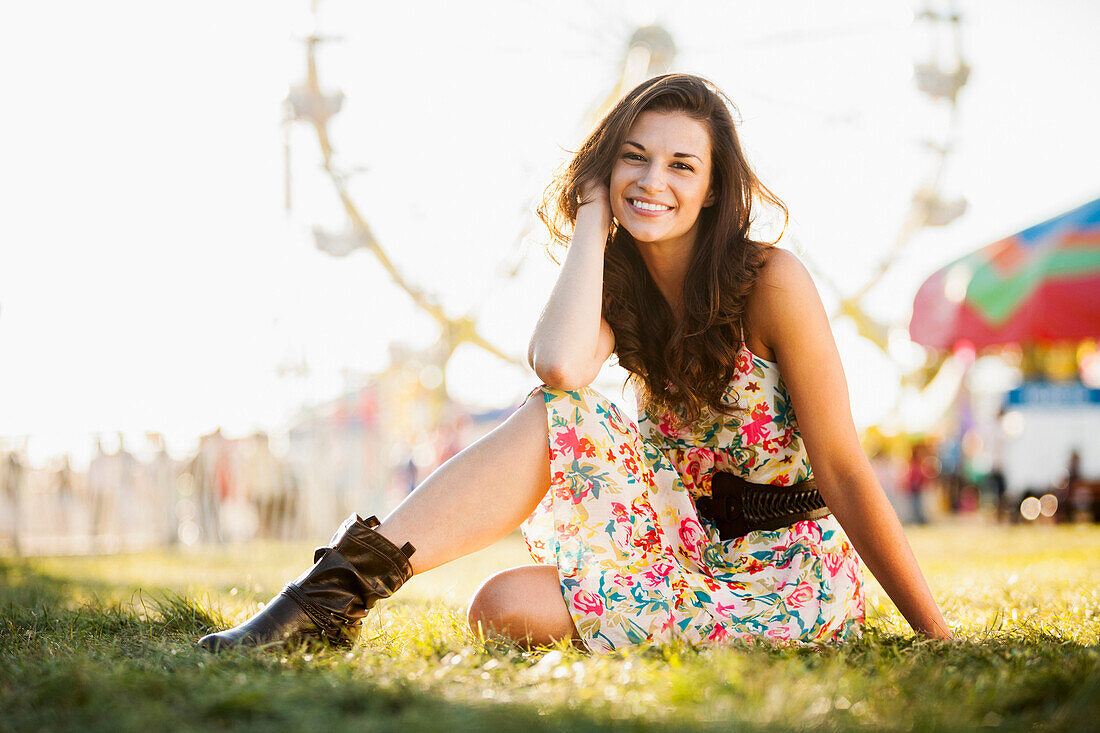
[{"x": 1042, "y": 284}]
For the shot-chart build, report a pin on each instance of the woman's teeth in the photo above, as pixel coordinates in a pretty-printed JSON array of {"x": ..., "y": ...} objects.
[{"x": 646, "y": 206}]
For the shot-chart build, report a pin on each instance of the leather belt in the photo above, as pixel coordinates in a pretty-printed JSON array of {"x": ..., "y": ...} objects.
[{"x": 739, "y": 507}]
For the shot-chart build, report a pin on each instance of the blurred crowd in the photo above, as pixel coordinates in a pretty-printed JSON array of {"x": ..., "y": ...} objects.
[
  {"x": 928, "y": 480},
  {"x": 228, "y": 490},
  {"x": 362, "y": 451},
  {"x": 233, "y": 490}
]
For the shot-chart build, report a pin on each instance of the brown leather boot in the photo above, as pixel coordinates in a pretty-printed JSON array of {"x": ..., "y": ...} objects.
[{"x": 329, "y": 600}]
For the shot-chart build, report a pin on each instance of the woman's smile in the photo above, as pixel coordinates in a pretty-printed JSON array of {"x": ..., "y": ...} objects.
[{"x": 647, "y": 207}]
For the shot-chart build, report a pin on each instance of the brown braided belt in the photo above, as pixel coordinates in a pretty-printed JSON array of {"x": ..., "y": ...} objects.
[{"x": 739, "y": 507}]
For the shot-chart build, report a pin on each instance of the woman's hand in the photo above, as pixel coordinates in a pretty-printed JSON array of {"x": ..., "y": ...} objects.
[{"x": 595, "y": 207}]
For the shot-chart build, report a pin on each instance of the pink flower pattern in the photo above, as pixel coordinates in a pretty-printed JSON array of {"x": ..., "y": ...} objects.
[{"x": 635, "y": 560}]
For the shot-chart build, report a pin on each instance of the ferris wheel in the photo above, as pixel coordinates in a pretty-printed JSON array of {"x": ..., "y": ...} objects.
[
  {"x": 939, "y": 74},
  {"x": 649, "y": 52}
]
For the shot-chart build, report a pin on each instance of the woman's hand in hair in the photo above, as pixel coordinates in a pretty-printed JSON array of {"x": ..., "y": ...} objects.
[{"x": 595, "y": 205}]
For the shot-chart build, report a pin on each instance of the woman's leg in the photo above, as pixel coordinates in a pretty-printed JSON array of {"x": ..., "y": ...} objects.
[
  {"x": 471, "y": 501},
  {"x": 524, "y": 604},
  {"x": 480, "y": 495},
  {"x": 475, "y": 499}
]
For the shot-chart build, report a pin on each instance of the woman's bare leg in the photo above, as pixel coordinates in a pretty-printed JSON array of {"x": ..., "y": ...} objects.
[
  {"x": 480, "y": 495},
  {"x": 475, "y": 499},
  {"x": 524, "y": 604},
  {"x": 469, "y": 502}
]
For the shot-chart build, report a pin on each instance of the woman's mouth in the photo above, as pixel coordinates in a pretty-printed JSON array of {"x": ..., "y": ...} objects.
[{"x": 648, "y": 208}]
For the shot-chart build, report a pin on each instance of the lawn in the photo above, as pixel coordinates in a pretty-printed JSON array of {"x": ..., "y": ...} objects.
[{"x": 106, "y": 643}]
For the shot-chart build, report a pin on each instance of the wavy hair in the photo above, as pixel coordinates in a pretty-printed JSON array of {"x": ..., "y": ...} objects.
[{"x": 685, "y": 366}]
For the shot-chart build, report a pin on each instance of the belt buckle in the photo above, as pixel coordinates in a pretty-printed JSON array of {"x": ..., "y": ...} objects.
[{"x": 728, "y": 498}]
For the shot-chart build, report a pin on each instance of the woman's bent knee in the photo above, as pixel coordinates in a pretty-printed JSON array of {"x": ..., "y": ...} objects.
[
  {"x": 499, "y": 601},
  {"x": 524, "y": 604}
]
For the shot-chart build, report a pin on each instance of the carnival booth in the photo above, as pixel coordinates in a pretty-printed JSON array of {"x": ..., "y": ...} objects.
[{"x": 1034, "y": 296}]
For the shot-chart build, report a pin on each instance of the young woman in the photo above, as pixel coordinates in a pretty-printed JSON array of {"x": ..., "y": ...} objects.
[{"x": 704, "y": 522}]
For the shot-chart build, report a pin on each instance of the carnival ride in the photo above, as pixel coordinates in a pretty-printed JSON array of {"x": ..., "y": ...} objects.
[{"x": 651, "y": 50}]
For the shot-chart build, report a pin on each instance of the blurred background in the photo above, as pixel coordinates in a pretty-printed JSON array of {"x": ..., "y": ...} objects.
[{"x": 266, "y": 263}]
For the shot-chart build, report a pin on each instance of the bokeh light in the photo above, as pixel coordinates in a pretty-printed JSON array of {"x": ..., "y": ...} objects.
[
  {"x": 1030, "y": 508},
  {"x": 1048, "y": 505}
]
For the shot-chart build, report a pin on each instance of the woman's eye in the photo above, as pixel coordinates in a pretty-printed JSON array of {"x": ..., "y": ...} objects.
[
  {"x": 632, "y": 156},
  {"x": 683, "y": 166}
]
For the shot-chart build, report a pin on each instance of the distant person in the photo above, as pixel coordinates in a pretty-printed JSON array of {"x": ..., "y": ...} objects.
[
  {"x": 409, "y": 472},
  {"x": 11, "y": 490},
  {"x": 162, "y": 474},
  {"x": 917, "y": 478},
  {"x": 951, "y": 472},
  {"x": 206, "y": 490},
  {"x": 998, "y": 486},
  {"x": 1080, "y": 496},
  {"x": 684, "y": 526},
  {"x": 62, "y": 481},
  {"x": 887, "y": 470},
  {"x": 102, "y": 487},
  {"x": 267, "y": 486},
  {"x": 129, "y": 520}
]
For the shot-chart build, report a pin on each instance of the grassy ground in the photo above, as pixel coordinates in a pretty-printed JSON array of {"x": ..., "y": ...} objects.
[{"x": 107, "y": 643}]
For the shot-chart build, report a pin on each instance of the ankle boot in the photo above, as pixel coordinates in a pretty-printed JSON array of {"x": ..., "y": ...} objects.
[{"x": 329, "y": 600}]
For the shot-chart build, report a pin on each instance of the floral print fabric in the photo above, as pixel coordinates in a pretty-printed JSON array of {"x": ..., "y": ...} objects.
[{"x": 635, "y": 560}]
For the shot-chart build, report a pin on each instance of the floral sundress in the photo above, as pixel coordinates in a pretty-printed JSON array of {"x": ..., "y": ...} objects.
[{"x": 635, "y": 560}]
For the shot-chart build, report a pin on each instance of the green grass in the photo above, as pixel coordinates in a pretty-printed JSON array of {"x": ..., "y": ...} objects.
[{"x": 108, "y": 644}]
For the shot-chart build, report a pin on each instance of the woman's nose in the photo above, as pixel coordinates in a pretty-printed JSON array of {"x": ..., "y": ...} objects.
[{"x": 651, "y": 179}]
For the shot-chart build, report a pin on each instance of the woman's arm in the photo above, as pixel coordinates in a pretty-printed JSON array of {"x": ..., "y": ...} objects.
[
  {"x": 785, "y": 312},
  {"x": 572, "y": 340}
]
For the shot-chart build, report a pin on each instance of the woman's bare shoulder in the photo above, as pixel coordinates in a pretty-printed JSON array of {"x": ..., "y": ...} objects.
[
  {"x": 782, "y": 283},
  {"x": 784, "y": 291},
  {"x": 781, "y": 270}
]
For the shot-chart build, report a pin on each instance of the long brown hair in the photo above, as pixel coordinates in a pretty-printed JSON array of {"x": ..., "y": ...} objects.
[{"x": 685, "y": 366}]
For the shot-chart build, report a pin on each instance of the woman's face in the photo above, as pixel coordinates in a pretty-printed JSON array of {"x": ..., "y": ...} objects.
[{"x": 661, "y": 179}]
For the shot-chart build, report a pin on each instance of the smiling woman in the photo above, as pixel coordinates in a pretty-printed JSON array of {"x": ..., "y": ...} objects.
[{"x": 703, "y": 522}]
